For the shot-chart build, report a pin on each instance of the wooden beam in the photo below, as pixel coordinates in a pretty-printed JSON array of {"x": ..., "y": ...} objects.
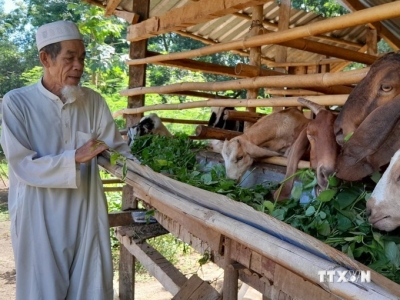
[
  {"x": 265, "y": 60},
  {"x": 242, "y": 116},
  {"x": 256, "y": 28},
  {"x": 111, "y": 6},
  {"x": 206, "y": 132},
  {"x": 377, "y": 13},
  {"x": 187, "y": 15},
  {"x": 121, "y": 218},
  {"x": 156, "y": 264},
  {"x": 388, "y": 36},
  {"x": 196, "y": 288},
  {"x": 131, "y": 18}
]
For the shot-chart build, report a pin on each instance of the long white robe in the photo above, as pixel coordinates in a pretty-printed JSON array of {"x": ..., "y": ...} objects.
[{"x": 58, "y": 210}]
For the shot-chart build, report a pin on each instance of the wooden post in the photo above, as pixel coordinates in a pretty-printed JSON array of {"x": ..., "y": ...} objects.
[
  {"x": 255, "y": 53},
  {"x": 137, "y": 74},
  {"x": 137, "y": 78},
  {"x": 231, "y": 275},
  {"x": 283, "y": 24}
]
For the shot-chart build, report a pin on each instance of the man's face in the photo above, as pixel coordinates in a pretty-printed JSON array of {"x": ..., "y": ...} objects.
[{"x": 67, "y": 68}]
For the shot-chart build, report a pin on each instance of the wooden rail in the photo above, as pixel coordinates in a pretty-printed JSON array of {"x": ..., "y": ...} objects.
[{"x": 273, "y": 251}]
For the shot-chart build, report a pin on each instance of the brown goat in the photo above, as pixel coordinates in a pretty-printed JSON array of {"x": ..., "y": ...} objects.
[
  {"x": 318, "y": 138},
  {"x": 285, "y": 133},
  {"x": 378, "y": 87},
  {"x": 371, "y": 117},
  {"x": 373, "y": 143}
]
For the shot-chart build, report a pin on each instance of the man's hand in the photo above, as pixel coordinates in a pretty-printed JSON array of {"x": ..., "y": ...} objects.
[{"x": 89, "y": 150}]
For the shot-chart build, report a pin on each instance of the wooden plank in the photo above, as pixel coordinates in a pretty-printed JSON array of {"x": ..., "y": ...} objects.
[
  {"x": 111, "y": 6},
  {"x": 131, "y": 18},
  {"x": 200, "y": 237},
  {"x": 206, "y": 132},
  {"x": 196, "y": 288},
  {"x": 156, "y": 264},
  {"x": 296, "y": 287},
  {"x": 185, "y": 200},
  {"x": 187, "y": 15},
  {"x": 121, "y": 218},
  {"x": 141, "y": 232}
]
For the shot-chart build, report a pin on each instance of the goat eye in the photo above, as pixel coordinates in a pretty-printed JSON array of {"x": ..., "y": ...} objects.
[
  {"x": 239, "y": 158},
  {"x": 386, "y": 88}
]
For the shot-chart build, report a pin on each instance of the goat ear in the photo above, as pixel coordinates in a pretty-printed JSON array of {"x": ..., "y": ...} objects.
[
  {"x": 215, "y": 146},
  {"x": 257, "y": 152},
  {"x": 371, "y": 143},
  {"x": 374, "y": 130}
]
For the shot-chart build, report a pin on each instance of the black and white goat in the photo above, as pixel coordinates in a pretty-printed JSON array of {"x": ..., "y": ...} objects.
[
  {"x": 217, "y": 120},
  {"x": 150, "y": 124}
]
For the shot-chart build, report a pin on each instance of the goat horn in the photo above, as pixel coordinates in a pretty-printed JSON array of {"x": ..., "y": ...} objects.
[{"x": 315, "y": 108}]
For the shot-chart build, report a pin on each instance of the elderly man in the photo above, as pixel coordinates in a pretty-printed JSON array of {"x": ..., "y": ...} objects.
[{"x": 51, "y": 134}]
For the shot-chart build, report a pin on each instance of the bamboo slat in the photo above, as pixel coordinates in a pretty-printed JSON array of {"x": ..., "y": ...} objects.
[
  {"x": 289, "y": 81},
  {"x": 325, "y": 100},
  {"x": 264, "y": 234}
]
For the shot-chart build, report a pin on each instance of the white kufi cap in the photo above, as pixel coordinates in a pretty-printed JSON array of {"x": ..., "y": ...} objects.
[{"x": 57, "y": 32}]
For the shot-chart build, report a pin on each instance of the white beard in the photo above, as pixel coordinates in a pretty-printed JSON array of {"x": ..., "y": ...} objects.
[{"x": 71, "y": 93}]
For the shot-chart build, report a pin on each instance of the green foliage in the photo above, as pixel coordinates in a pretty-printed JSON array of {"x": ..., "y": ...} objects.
[
  {"x": 325, "y": 8},
  {"x": 337, "y": 216}
]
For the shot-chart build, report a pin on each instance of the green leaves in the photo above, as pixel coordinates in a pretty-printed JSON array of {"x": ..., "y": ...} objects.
[{"x": 336, "y": 216}]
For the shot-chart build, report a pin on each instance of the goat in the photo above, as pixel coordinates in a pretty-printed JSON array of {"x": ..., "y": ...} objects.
[
  {"x": 380, "y": 86},
  {"x": 371, "y": 117},
  {"x": 290, "y": 134},
  {"x": 217, "y": 120},
  {"x": 150, "y": 124},
  {"x": 318, "y": 140},
  {"x": 373, "y": 143},
  {"x": 383, "y": 207}
]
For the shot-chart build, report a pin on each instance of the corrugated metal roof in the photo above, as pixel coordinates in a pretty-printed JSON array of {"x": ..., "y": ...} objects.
[{"x": 236, "y": 26}]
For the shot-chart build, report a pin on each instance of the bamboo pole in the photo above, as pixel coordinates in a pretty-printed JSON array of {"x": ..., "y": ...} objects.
[
  {"x": 324, "y": 100},
  {"x": 368, "y": 15},
  {"x": 268, "y": 24},
  {"x": 293, "y": 92},
  {"x": 325, "y": 61},
  {"x": 295, "y": 81}
]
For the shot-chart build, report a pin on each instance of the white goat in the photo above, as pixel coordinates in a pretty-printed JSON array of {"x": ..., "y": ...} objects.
[{"x": 383, "y": 207}]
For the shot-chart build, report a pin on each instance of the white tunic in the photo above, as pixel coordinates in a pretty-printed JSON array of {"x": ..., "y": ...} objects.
[{"x": 58, "y": 210}]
